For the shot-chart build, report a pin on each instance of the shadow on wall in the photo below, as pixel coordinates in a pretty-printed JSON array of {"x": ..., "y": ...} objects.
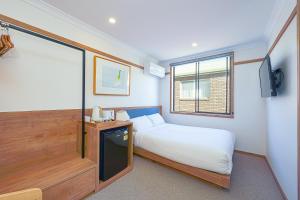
[{"x": 283, "y": 65}]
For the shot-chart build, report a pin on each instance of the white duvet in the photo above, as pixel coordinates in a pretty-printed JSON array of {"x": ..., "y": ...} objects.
[{"x": 205, "y": 148}]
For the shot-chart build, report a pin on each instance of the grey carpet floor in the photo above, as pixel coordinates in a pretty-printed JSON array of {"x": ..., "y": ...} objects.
[{"x": 251, "y": 180}]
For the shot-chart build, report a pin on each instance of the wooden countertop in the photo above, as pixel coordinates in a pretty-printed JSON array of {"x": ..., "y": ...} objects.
[{"x": 108, "y": 125}]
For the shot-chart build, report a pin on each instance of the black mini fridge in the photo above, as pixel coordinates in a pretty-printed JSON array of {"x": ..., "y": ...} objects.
[{"x": 113, "y": 152}]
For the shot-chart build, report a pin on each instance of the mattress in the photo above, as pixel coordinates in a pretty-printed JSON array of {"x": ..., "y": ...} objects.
[{"x": 205, "y": 148}]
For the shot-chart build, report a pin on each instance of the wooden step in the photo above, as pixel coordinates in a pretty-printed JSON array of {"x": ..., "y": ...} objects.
[{"x": 45, "y": 174}]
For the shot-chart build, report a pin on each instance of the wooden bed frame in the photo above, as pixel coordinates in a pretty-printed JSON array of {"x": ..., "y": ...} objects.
[{"x": 211, "y": 177}]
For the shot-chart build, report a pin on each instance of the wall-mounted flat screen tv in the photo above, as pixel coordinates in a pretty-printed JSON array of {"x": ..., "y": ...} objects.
[{"x": 267, "y": 79}]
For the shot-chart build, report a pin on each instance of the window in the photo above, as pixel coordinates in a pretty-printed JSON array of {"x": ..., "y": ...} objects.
[
  {"x": 203, "y": 86},
  {"x": 187, "y": 89}
]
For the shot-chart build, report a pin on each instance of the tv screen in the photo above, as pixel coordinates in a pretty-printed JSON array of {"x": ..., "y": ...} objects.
[{"x": 267, "y": 82}]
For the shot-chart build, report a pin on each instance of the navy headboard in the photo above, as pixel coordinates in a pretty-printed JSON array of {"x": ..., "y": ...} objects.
[{"x": 138, "y": 112}]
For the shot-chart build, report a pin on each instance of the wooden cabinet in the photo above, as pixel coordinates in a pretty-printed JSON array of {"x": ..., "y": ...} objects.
[{"x": 93, "y": 131}]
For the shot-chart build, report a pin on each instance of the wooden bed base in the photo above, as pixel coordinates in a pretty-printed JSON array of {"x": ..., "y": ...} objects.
[{"x": 212, "y": 177}]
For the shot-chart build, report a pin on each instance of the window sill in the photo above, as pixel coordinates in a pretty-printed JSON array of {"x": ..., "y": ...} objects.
[
  {"x": 204, "y": 99},
  {"x": 230, "y": 116}
]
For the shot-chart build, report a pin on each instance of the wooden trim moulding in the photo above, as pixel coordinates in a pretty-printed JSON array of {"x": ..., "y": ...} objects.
[
  {"x": 242, "y": 62},
  {"x": 250, "y": 154},
  {"x": 65, "y": 40},
  {"x": 279, "y": 36},
  {"x": 293, "y": 14},
  {"x": 282, "y": 31},
  {"x": 133, "y": 108},
  {"x": 298, "y": 96},
  {"x": 230, "y": 116},
  {"x": 238, "y": 63},
  {"x": 248, "y": 61}
]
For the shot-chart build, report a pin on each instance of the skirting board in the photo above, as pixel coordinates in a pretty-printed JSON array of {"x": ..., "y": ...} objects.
[
  {"x": 269, "y": 166},
  {"x": 276, "y": 180},
  {"x": 203, "y": 174}
]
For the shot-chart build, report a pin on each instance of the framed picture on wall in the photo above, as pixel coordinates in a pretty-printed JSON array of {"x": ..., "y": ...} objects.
[{"x": 111, "y": 77}]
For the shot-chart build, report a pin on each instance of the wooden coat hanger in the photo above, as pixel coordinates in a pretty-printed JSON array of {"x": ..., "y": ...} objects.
[
  {"x": 1, "y": 43},
  {"x": 10, "y": 42},
  {"x": 6, "y": 42},
  {"x": 6, "y": 45}
]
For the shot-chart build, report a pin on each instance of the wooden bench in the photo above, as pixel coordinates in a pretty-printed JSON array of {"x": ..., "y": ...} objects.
[
  {"x": 30, "y": 194},
  {"x": 39, "y": 150}
]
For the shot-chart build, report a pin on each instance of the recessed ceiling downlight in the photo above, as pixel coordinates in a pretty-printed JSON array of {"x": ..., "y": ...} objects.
[
  {"x": 194, "y": 44},
  {"x": 112, "y": 20}
]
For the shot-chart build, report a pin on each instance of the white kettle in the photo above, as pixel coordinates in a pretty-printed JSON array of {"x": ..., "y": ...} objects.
[{"x": 96, "y": 114}]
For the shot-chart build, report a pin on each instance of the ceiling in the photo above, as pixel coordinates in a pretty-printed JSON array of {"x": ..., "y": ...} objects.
[{"x": 166, "y": 29}]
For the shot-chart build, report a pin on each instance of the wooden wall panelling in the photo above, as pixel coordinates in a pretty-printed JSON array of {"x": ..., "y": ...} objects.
[
  {"x": 92, "y": 136},
  {"x": 39, "y": 150},
  {"x": 33, "y": 136}
]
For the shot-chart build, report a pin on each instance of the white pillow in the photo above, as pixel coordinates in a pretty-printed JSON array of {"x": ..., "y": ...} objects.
[
  {"x": 156, "y": 119},
  {"x": 122, "y": 115},
  {"x": 141, "y": 123}
]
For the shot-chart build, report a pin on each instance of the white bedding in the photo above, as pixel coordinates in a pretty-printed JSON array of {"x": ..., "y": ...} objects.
[{"x": 205, "y": 148}]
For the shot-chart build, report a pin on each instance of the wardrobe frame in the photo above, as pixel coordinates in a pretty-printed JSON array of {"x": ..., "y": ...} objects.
[{"x": 5, "y": 24}]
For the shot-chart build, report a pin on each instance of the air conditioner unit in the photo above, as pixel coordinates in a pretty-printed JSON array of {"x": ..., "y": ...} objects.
[{"x": 155, "y": 70}]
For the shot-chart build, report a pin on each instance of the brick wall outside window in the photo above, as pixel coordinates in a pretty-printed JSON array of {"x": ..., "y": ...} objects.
[{"x": 216, "y": 102}]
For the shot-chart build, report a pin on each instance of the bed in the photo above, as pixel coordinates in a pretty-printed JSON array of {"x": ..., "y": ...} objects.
[{"x": 201, "y": 152}]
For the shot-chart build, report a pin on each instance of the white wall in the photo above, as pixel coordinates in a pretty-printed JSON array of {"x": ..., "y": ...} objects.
[
  {"x": 249, "y": 123},
  {"x": 39, "y": 75},
  {"x": 282, "y": 110}
]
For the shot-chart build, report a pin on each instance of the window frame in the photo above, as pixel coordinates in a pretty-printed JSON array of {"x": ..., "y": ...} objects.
[{"x": 231, "y": 86}]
